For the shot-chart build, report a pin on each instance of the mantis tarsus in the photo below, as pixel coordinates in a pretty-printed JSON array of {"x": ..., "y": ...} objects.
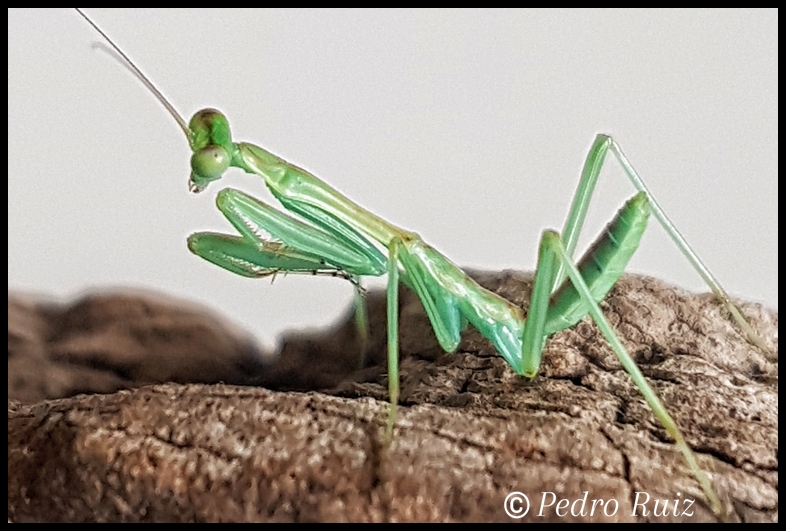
[{"x": 343, "y": 239}]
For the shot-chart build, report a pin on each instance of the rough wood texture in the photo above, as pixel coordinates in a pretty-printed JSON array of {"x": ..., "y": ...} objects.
[{"x": 468, "y": 434}]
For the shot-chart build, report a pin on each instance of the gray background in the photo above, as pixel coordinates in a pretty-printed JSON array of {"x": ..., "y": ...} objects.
[{"x": 469, "y": 127}]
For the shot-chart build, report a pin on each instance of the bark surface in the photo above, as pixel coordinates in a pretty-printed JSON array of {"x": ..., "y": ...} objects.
[{"x": 89, "y": 439}]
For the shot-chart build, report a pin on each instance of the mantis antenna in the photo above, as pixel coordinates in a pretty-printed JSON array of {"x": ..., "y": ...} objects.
[{"x": 126, "y": 61}]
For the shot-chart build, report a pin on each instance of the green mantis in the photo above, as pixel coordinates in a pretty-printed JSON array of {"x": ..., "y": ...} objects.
[{"x": 336, "y": 236}]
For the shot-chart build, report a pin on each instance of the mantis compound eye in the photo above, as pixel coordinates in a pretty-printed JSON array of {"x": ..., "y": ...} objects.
[
  {"x": 211, "y": 141},
  {"x": 208, "y": 164}
]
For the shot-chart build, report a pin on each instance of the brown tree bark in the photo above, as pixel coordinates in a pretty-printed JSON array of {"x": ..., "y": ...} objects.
[{"x": 469, "y": 431}]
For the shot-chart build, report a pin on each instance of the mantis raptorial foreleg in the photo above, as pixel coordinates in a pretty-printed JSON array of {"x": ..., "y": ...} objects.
[{"x": 300, "y": 248}]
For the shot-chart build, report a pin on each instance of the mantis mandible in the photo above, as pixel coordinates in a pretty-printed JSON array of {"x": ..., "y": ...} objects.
[{"x": 338, "y": 237}]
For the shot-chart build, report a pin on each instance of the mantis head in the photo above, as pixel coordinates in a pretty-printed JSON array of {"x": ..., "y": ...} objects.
[
  {"x": 211, "y": 143},
  {"x": 207, "y": 133}
]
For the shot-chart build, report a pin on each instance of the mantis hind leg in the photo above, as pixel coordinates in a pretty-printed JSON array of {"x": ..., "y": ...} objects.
[
  {"x": 553, "y": 254},
  {"x": 593, "y": 164}
]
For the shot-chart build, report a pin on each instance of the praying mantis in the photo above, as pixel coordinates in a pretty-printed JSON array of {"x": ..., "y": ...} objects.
[{"x": 405, "y": 255}]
